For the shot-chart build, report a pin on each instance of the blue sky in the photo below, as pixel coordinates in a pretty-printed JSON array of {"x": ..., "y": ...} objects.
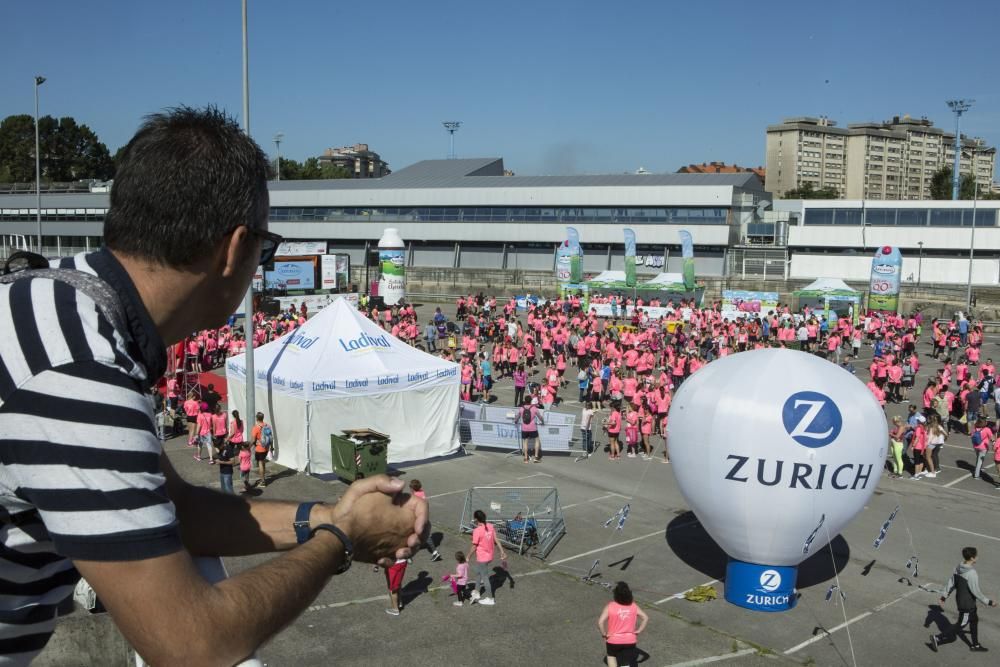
[{"x": 552, "y": 87}]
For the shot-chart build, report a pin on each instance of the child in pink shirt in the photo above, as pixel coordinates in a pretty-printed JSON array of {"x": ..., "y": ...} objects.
[{"x": 459, "y": 579}]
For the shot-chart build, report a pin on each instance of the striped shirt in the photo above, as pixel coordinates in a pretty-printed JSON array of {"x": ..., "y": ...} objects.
[{"x": 79, "y": 457}]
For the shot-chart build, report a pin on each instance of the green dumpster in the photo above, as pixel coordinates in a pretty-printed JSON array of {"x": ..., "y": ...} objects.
[{"x": 359, "y": 453}]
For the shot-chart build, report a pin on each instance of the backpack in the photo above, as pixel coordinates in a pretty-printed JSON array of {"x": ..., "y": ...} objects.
[
  {"x": 977, "y": 438},
  {"x": 581, "y": 376},
  {"x": 266, "y": 436},
  {"x": 525, "y": 416},
  {"x": 36, "y": 266}
]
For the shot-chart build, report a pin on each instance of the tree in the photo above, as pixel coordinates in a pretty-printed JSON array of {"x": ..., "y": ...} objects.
[
  {"x": 311, "y": 170},
  {"x": 941, "y": 185},
  {"x": 806, "y": 191},
  {"x": 69, "y": 152}
]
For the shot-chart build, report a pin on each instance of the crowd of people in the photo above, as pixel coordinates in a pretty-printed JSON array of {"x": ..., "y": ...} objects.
[{"x": 557, "y": 351}]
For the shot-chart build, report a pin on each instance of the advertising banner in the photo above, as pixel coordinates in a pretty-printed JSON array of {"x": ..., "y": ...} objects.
[
  {"x": 687, "y": 252},
  {"x": 291, "y": 275},
  {"x": 741, "y": 303},
  {"x": 301, "y": 248},
  {"x": 392, "y": 284},
  {"x": 886, "y": 271},
  {"x": 562, "y": 262},
  {"x": 328, "y": 272},
  {"x": 629, "y": 257},
  {"x": 576, "y": 255}
]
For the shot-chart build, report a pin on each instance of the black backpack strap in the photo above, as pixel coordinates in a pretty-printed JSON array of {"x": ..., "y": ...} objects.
[{"x": 36, "y": 266}]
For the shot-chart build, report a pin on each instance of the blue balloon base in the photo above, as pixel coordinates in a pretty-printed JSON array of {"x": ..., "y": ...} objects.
[{"x": 760, "y": 587}]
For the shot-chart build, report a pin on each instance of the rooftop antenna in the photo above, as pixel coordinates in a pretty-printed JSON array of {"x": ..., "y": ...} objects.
[
  {"x": 958, "y": 107},
  {"x": 451, "y": 127}
]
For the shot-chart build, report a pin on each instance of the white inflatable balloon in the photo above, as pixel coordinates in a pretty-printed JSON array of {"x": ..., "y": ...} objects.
[{"x": 765, "y": 446}]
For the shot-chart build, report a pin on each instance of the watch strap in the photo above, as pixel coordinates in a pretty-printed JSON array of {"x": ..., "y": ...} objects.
[
  {"x": 345, "y": 541},
  {"x": 301, "y": 523}
]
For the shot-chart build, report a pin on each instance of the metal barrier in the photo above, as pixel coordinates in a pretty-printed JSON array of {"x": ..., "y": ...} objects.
[
  {"x": 498, "y": 427},
  {"x": 526, "y": 518}
]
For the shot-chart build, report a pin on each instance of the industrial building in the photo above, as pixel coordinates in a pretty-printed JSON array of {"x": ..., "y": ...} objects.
[{"x": 467, "y": 214}]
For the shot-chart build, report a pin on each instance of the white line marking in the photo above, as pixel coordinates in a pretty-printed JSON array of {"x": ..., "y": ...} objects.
[
  {"x": 503, "y": 481},
  {"x": 826, "y": 633},
  {"x": 714, "y": 658},
  {"x": 955, "y": 481},
  {"x": 594, "y": 551},
  {"x": 677, "y": 596},
  {"x": 618, "y": 544},
  {"x": 969, "y": 532},
  {"x": 604, "y": 497}
]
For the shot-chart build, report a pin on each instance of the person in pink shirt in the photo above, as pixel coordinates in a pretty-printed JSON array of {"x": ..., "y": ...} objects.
[
  {"x": 613, "y": 425},
  {"x": 481, "y": 552},
  {"x": 646, "y": 419},
  {"x": 191, "y": 409},
  {"x": 617, "y": 624},
  {"x": 982, "y": 437},
  {"x": 204, "y": 425},
  {"x": 459, "y": 579},
  {"x": 877, "y": 392},
  {"x": 220, "y": 427},
  {"x": 528, "y": 419}
]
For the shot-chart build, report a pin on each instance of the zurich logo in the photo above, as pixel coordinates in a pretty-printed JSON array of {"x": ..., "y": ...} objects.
[
  {"x": 811, "y": 419},
  {"x": 770, "y": 580}
]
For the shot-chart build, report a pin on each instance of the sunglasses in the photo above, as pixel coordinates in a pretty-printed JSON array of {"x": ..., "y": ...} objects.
[{"x": 269, "y": 242}]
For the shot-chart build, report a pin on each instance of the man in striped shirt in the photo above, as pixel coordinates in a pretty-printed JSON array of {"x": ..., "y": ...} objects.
[{"x": 84, "y": 486}]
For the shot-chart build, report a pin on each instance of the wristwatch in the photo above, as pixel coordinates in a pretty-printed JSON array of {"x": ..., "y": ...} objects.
[
  {"x": 304, "y": 531},
  {"x": 344, "y": 541}
]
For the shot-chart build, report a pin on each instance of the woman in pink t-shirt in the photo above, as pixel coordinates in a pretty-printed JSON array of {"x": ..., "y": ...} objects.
[
  {"x": 617, "y": 624},
  {"x": 481, "y": 551}
]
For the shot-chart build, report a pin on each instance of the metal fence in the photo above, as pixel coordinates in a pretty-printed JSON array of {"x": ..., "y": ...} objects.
[
  {"x": 527, "y": 519},
  {"x": 499, "y": 427}
]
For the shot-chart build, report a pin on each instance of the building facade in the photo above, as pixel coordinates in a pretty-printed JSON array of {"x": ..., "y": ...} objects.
[
  {"x": 892, "y": 160},
  {"x": 721, "y": 168},
  {"x": 357, "y": 160},
  {"x": 467, "y": 214}
]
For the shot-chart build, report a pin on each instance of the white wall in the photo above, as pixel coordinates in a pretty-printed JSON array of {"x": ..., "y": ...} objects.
[{"x": 932, "y": 270}]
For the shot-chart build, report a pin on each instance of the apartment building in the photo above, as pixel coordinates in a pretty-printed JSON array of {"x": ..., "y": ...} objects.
[{"x": 895, "y": 159}]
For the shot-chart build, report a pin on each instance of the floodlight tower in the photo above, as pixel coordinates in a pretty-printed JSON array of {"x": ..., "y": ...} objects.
[
  {"x": 277, "y": 149},
  {"x": 958, "y": 107},
  {"x": 451, "y": 127}
]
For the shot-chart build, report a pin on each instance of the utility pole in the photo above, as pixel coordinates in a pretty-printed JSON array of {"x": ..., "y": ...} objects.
[
  {"x": 250, "y": 383},
  {"x": 277, "y": 149},
  {"x": 39, "y": 80},
  {"x": 958, "y": 107},
  {"x": 451, "y": 127}
]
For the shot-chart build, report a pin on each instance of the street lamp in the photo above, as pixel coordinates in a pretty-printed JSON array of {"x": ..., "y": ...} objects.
[
  {"x": 972, "y": 236},
  {"x": 277, "y": 149},
  {"x": 958, "y": 107},
  {"x": 39, "y": 80},
  {"x": 920, "y": 261}
]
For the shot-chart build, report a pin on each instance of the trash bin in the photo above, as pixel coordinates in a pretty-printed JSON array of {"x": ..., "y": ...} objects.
[{"x": 359, "y": 453}]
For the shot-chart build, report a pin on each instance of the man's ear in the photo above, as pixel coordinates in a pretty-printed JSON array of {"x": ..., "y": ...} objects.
[{"x": 233, "y": 252}]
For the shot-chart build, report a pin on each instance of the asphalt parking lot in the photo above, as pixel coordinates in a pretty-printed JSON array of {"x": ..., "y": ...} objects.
[{"x": 547, "y": 614}]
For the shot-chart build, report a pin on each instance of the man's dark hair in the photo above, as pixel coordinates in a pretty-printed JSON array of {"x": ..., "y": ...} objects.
[
  {"x": 186, "y": 179},
  {"x": 622, "y": 593},
  {"x": 968, "y": 553}
]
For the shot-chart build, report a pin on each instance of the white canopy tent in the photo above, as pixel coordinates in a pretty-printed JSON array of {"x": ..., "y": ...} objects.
[
  {"x": 608, "y": 277},
  {"x": 666, "y": 279},
  {"x": 827, "y": 285},
  {"x": 340, "y": 371}
]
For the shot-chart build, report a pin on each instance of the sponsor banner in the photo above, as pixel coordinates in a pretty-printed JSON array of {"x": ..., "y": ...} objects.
[
  {"x": 522, "y": 301},
  {"x": 760, "y": 587},
  {"x": 291, "y": 275},
  {"x": 361, "y": 385},
  {"x": 629, "y": 257},
  {"x": 563, "y": 262},
  {"x": 328, "y": 272},
  {"x": 316, "y": 302},
  {"x": 687, "y": 252},
  {"x": 301, "y": 248},
  {"x": 886, "y": 272},
  {"x": 392, "y": 283},
  {"x": 576, "y": 255},
  {"x": 507, "y": 435},
  {"x": 652, "y": 261},
  {"x": 654, "y": 312},
  {"x": 742, "y": 303}
]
